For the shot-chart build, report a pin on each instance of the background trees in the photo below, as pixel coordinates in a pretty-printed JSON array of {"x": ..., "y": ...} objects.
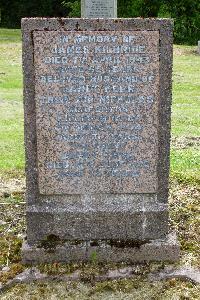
[
  {"x": 186, "y": 13},
  {"x": 13, "y": 10}
]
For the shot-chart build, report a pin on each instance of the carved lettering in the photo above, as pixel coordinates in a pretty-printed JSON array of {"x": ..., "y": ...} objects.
[{"x": 96, "y": 103}]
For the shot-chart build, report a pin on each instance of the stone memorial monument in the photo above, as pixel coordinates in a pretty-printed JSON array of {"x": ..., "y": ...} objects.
[{"x": 97, "y": 97}]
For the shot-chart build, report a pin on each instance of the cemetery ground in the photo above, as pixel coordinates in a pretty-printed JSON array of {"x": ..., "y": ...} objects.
[{"x": 184, "y": 198}]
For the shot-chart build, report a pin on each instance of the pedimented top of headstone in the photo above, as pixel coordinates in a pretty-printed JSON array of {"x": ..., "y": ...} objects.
[{"x": 99, "y": 8}]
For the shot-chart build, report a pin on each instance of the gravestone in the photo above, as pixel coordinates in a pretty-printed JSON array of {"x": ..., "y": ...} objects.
[
  {"x": 99, "y": 8},
  {"x": 97, "y": 98}
]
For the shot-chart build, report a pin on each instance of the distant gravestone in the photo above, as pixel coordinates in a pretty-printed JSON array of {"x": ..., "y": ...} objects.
[
  {"x": 97, "y": 130},
  {"x": 99, "y": 8},
  {"x": 198, "y": 49}
]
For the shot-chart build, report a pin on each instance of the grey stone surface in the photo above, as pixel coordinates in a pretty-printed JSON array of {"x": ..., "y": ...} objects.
[
  {"x": 34, "y": 275},
  {"x": 124, "y": 217},
  {"x": 27, "y": 276},
  {"x": 102, "y": 251},
  {"x": 184, "y": 273},
  {"x": 198, "y": 49},
  {"x": 99, "y": 8},
  {"x": 89, "y": 207}
]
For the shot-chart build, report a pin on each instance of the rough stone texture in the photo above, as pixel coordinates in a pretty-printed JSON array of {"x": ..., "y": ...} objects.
[
  {"x": 184, "y": 273},
  {"x": 124, "y": 217},
  {"x": 110, "y": 210},
  {"x": 99, "y": 8},
  {"x": 118, "y": 154},
  {"x": 156, "y": 250},
  {"x": 34, "y": 275}
]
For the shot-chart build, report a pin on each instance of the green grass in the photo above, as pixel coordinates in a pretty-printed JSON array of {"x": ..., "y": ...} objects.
[
  {"x": 186, "y": 92},
  {"x": 10, "y": 35},
  {"x": 10, "y": 65},
  {"x": 11, "y": 106},
  {"x": 185, "y": 160},
  {"x": 185, "y": 164},
  {"x": 11, "y": 136}
]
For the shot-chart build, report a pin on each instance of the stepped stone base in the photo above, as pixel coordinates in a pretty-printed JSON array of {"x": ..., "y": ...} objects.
[{"x": 103, "y": 251}]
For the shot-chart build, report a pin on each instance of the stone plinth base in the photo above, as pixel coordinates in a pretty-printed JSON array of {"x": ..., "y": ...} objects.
[{"x": 103, "y": 251}]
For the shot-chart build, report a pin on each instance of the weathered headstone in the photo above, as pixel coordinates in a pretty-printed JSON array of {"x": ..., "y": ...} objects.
[
  {"x": 198, "y": 49},
  {"x": 99, "y": 8},
  {"x": 97, "y": 97}
]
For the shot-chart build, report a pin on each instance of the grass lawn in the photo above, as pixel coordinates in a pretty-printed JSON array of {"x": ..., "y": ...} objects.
[
  {"x": 185, "y": 150},
  {"x": 11, "y": 106},
  {"x": 183, "y": 200}
]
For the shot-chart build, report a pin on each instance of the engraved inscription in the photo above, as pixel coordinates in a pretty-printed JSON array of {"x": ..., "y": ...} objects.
[
  {"x": 97, "y": 99},
  {"x": 99, "y": 8}
]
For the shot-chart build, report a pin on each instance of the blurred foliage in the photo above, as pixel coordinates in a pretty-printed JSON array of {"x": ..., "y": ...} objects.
[
  {"x": 74, "y": 8},
  {"x": 186, "y": 15},
  {"x": 13, "y": 10},
  {"x": 184, "y": 12}
]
